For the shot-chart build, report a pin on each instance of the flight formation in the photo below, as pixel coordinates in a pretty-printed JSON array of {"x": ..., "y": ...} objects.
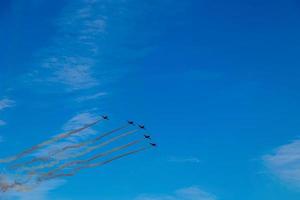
[{"x": 67, "y": 154}]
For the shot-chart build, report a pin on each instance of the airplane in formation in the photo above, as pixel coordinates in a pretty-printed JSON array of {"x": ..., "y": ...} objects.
[
  {"x": 142, "y": 127},
  {"x": 153, "y": 144},
  {"x": 130, "y": 122},
  {"x": 105, "y": 117},
  {"x": 147, "y": 137}
]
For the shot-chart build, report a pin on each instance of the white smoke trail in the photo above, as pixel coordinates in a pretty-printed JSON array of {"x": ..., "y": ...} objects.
[
  {"x": 32, "y": 170},
  {"x": 76, "y": 170},
  {"x": 78, "y": 162},
  {"x": 73, "y": 146},
  {"x": 47, "y": 142}
]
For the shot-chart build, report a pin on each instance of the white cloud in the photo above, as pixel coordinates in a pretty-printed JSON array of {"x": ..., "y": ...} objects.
[
  {"x": 190, "y": 193},
  {"x": 91, "y": 97},
  {"x": 284, "y": 162},
  {"x": 77, "y": 77},
  {"x": 6, "y": 103},
  {"x": 191, "y": 159},
  {"x": 73, "y": 72},
  {"x": 71, "y": 58}
]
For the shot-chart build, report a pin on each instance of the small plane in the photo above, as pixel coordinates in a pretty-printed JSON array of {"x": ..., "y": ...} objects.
[
  {"x": 142, "y": 127},
  {"x": 147, "y": 137},
  {"x": 105, "y": 117},
  {"x": 153, "y": 144},
  {"x": 131, "y": 122}
]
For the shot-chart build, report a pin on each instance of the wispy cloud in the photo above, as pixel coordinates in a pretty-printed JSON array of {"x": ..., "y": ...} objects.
[
  {"x": 284, "y": 162},
  {"x": 190, "y": 159},
  {"x": 72, "y": 57},
  {"x": 91, "y": 97},
  {"x": 190, "y": 193},
  {"x": 78, "y": 76},
  {"x": 6, "y": 103}
]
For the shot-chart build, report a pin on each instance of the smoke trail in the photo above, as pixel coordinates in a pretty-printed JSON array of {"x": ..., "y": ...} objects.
[
  {"x": 88, "y": 150},
  {"x": 73, "y": 146},
  {"x": 47, "y": 142},
  {"x": 76, "y": 170},
  {"x": 92, "y": 140},
  {"x": 78, "y": 162},
  {"x": 20, "y": 186},
  {"x": 4, "y": 187},
  {"x": 110, "y": 160}
]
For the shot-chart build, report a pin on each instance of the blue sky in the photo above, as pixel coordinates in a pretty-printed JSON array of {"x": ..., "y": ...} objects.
[{"x": 216, "y": 83}]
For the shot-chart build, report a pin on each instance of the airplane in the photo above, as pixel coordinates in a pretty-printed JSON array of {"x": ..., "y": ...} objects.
[
  {"x": 131, "y": 122},
  {"x": 147, "y": 137},
  {"x": 142, "y": 127},
  {"x": 105, "y": 117},
  {"x": 153, "y": 144}
]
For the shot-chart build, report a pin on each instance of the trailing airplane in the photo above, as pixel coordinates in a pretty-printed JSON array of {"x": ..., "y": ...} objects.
[
  {"x": 147, "y": 137},
  {"x": 105, "y": 117},
  {"x": 142, "y": 127},
  {"x": 153, "y": 144},
  {"x": 131, "y": 122}
]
